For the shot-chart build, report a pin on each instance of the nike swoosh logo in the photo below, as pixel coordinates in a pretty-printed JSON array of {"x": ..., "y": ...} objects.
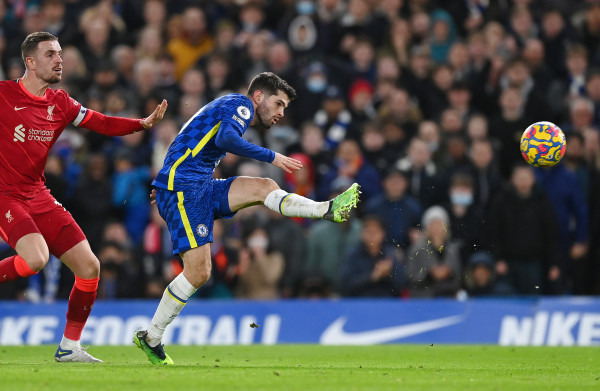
[
  {"x": 20, "y": 108},
  {"x": 334, "y": 334},
  {"x": 62, "y": 352}
]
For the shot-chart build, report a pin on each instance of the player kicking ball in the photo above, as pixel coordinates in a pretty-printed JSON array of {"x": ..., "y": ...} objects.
[
  {"x": 31, "y": 220},
  {"x": 189, "y": 199}
]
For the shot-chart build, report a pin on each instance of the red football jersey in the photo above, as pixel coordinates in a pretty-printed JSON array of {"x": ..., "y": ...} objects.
[{"x": 29, "y": 127}]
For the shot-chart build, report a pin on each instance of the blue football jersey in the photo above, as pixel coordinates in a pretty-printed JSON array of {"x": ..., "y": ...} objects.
[{"x": 194, "y": 153}]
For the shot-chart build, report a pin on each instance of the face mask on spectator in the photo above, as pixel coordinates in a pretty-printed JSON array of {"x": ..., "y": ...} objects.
[
  {"x": 461, "y": 198},
  {"x": 258, "y": 242},
  {"x": 305, "y": 7},
  {"x": 316, "y": 84}
]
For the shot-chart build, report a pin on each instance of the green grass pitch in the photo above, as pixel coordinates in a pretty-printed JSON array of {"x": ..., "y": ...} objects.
[{"x": 308, "y": 368}]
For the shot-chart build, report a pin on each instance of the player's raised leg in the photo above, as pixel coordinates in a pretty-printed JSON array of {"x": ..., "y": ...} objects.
[
  {"x": 248, "y": 191},
  {"x": 86, "y": 267}
]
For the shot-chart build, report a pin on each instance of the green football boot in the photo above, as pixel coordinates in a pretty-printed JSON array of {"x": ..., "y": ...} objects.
[
  {"x": 340, "y": 206},
  {"x": 156, "y": 355}
]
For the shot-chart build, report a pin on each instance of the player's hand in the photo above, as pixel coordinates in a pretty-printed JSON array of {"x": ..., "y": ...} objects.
[
  {"x": 156, "y": 116},
  {"x": 153, "y": 197},
  {"x": 287, "y": 164}
]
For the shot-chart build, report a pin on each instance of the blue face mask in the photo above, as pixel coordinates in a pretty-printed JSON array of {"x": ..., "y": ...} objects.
[
  {"x": 316, "y": 84},
  {"x": 461, "y": 198},
  {"x": 305, "y": 7}
]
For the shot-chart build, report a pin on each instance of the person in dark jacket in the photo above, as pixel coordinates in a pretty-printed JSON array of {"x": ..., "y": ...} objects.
[
  {"x": 525, "y": 236},
  {"x": 400, "y": 211},
  {"x": 372, "y": 269}
]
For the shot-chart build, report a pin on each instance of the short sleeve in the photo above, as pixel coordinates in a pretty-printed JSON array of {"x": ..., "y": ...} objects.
[{"x": 238, "y": 112}]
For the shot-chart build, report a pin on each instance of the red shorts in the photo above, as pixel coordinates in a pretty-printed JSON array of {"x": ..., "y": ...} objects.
[{"x": 41, "y": 214}]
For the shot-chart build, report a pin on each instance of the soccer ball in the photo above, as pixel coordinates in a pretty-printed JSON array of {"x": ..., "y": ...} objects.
[{"x": 543, "y": 144}]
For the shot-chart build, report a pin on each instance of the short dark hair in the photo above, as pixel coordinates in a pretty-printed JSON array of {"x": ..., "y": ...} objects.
[
  {"x": 269, "y": 83},
  {"x": 30, "y": 43}
]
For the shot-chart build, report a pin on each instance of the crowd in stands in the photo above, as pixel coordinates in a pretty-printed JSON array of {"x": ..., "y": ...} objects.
[{"x": 422, "y": 102}]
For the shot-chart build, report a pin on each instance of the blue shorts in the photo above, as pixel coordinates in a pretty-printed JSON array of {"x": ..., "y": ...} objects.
[{"x": 190, "y": 213}]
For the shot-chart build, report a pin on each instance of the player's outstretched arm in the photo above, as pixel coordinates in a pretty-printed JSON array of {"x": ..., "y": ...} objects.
[
  {"x": 286, "y": 163},
  {"x": 156, "y": 115},
  {"x": 120, "y": 126}
]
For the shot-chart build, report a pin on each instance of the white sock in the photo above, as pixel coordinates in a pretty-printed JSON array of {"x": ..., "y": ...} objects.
[
  {"x": 69, "y": 344},
  {"x": 173, "y": 300},
  {"x": 294, "y": 205}
]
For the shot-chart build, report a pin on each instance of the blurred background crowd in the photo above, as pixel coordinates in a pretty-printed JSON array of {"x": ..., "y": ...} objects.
[{"x": 422, "y": 102}]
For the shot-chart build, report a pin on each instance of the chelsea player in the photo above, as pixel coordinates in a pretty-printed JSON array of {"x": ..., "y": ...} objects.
[{"x": 189, "y": 199}]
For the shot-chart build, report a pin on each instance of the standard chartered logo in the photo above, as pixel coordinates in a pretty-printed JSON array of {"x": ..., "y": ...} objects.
[
  {"x": 19, "y": 133},
  {"x": 33, "y": 134}
]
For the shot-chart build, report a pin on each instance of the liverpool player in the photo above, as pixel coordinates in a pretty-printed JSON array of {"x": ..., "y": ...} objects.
[{"x": 31, "y": 220}]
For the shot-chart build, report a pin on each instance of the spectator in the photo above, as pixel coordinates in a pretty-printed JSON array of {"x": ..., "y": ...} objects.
[
  {"x": 130, "y": 194},
  {"x": 350, "y": 164},
  {"x": 563, "y": 90},
  {"x": 443, "y": 34},
  {"x": 91, "y": 206},
  {"x": 479, "y": 277},
  {"x": 371, "y": 268},
  {"x": 508, "y": 128},
  {"x": 374, "y": 147},
  {"x": 118, "y": 275},
  {"x": 566, "y": 195},
  {"x": 459, "y": 99},
  {"x": 422, "y": 173},
  {"x": 333, "y": 117},
  {"x": 400, "y": 212},
  {"x": 487, "y": 180},
  {"x": 525, "y": 237},
  {"x": 194, "y": 42},
  {"x": 434, "y": 266},
  {"x": 466, "y": 218},
  {"x": 260, "y": 269},
  {"x": 555, "y": 37}
]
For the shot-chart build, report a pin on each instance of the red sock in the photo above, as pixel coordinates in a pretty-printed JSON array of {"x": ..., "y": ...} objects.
[
  {"x": 81, "y": 301},
  {"x": 14, "y": 267}
]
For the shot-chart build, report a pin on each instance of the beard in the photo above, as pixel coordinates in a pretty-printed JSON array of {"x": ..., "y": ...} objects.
[
  {"x": 262, "y": 113},
  {"x": 52, "y": 79}
]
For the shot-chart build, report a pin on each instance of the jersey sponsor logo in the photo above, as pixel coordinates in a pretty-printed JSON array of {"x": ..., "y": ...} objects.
[
  {"x": 50, "y": 110},
  {"x": 202, "y": 230},
  {"x": 239, "y": 120},
  {"x": 20, "y": 108},
  {"x": 42, "y": 135},
  {"x": 19, "y": 133},
  {"x": 244, "y": 112},
  {"x": 9, "y": 217}
]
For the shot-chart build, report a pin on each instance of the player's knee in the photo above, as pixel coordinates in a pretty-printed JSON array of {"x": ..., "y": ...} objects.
[
  {"x": 200, "y": 275},
  {"x": 90, "y": 268},
  {"x": 203, "y": 276},
  {"x": 37, "y": 261},
  {"x": 267, "y": 185}
]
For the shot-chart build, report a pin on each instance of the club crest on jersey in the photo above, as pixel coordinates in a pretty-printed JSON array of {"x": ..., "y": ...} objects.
[
  {"x": 244, "y": 112},
  {"x": 201, "y": 230},
  {"x": 9, "y": 217},
  {"x": 50, "y": 110}
]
